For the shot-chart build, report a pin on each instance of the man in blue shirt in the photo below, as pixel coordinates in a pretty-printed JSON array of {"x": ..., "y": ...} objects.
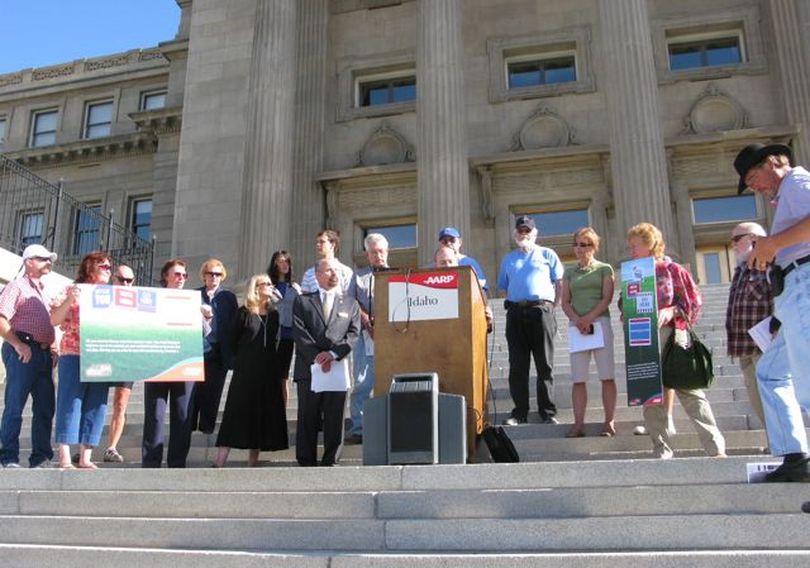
[
  {"x": 532, "y": 277},
  {"x": 450, "y": 237}
]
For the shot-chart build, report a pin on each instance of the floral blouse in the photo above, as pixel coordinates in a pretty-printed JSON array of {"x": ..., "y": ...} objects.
[
  {"x": 69, "y": 345},
  {"x": 677, "y": 288}
]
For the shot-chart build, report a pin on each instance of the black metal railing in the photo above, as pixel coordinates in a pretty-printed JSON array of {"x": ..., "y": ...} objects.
[{"x": 33, "y": 210}]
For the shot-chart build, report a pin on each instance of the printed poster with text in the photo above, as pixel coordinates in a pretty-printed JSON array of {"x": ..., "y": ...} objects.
[
  {"x": 140, "y": 334},
  {"x": 640, "y": 311},
  {"x": 423, "y": 296}
]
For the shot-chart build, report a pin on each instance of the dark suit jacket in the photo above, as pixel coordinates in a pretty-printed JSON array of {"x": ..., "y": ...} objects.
[
  {"x": 312, "y": 334},
  {"x": 225, "y": 306}
]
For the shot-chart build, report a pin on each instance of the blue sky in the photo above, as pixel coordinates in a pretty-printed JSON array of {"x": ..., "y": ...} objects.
[{"x": 36, "y": 33}]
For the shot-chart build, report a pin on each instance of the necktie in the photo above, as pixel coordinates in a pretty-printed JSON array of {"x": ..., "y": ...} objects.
[{"x": 328, "y": 301}]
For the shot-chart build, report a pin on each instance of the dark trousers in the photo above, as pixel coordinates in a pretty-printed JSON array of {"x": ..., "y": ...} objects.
[
  {"x": 156, "y": 398},
  {"x": 530, "y": 332},
  {"x": 311, "y": 407},
  {"x": 207, "y": 394},
  {"x": 34, "y": 378}
]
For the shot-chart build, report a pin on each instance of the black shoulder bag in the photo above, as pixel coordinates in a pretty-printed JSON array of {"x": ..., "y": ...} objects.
[{"x": 686, "y": 368}]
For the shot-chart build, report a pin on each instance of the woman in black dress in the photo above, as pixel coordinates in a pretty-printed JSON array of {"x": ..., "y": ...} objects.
[{"x": 254, "y": 417}]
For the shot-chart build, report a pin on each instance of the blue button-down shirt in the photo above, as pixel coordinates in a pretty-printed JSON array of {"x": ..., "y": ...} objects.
[{"x": 529, "y": 276}]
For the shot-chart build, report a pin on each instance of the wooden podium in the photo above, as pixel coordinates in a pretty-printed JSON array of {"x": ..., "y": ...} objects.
[{"x": 453, "y": 347}]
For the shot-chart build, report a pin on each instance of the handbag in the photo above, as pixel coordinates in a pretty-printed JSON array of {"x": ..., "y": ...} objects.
[
  {"x": 686, "y": 368},
  {"x": 500, "y": 446}
]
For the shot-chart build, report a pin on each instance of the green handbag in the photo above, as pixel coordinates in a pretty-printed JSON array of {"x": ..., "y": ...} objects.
[{"x": 689, "y": 368}]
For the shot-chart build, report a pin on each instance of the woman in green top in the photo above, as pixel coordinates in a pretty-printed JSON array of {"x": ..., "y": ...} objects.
[{"x": 587, "y": 290}]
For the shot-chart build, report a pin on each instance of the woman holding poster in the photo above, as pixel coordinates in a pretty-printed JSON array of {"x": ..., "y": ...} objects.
[
  {"x": 81, "y": 408},
  {"x": 587, "y": 290},
  {"x": 679, "y": 302},
  {"x": 255, "y": 418}
]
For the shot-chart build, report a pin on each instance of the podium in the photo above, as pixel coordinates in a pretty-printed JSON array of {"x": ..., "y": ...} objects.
[{"x": 432, "y": 320}]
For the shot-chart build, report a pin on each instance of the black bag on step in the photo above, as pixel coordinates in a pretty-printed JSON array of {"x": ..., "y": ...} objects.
[{"x": 500, "y": 446}]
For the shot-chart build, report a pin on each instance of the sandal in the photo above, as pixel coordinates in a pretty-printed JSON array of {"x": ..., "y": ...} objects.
[
  {"x": 89, "y": 465},
  {"x": 608, "y": 431},
  {"x": 66, "y": 466},
  {"x": 574, "y": 433}
]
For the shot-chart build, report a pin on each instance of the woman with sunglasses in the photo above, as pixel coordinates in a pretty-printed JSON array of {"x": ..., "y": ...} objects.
[
  {"x": 157, "y": 397},
  {"x": 81, "y": 408},
  {"x": 587, "y": 290},
  {"x": 255, "y": 418},
  {"x": 216, "y": 347}
]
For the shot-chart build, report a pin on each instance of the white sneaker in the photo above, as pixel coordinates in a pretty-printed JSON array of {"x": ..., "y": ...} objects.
[
  {"x": 640, "y": 430},
  {"x": 671, "y": 431}
]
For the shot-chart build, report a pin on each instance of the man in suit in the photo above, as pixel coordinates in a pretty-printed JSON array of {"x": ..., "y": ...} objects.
[{"x": 326, "y": 325}]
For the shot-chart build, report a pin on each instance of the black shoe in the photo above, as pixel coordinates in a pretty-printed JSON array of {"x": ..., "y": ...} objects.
[
  {"x": 806, "y": 507},
  {"x": 548, "y": 420},
  {"x": 514, "y": 421},
  {"x": 798, "y": 470}
]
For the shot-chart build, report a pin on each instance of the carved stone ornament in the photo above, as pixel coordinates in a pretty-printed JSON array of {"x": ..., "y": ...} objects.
[
  {"x": 544, "y": 129},
  {"x": 715, "y": 111},
  {"x": 385, "y": 146}
]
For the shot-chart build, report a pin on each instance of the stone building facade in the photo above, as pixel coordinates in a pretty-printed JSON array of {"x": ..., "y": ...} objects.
[{"x": 266, "y": 120}]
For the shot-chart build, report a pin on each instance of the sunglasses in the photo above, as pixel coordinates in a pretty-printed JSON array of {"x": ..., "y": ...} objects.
[
  {"x": 582, "y": 245},
  {"x": 264, "y": 284},
  {"x": 182, "y": 275},
  {"x": 123, "y": 280},
  {"x": 214, "y": 274},
  {"x": 105, "y": 266},
  {"x": 738, "y": 238},
  {"x": 42, "y": 258}
]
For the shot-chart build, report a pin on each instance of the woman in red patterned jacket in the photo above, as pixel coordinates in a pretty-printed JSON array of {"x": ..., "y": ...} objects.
[{"x": 679, "y": 303}]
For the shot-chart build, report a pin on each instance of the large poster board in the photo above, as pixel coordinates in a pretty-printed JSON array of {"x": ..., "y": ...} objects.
[
  {"x": 140, "y": 334},
  {"x": 640, "y": 313}
]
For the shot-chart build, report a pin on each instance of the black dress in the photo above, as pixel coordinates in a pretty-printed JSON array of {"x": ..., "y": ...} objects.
[{"x": 255, "y": 417}]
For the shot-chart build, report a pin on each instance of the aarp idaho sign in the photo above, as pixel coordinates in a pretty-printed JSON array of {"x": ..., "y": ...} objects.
[{"x": 423, "y": 296}]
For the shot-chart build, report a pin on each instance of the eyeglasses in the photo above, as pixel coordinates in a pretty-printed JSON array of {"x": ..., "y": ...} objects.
[
  {"x": 582, "y": 245},
  {"x": 738, "y": 238},
  {"x": 182, "y": 275},
  {"x": 214, "y": 274},
  {"x": 42, "y": 258},
  {"x": 105, "y": 266},
  {"x": 123, "y": 280},
  {"x": 258, "y": 284}
]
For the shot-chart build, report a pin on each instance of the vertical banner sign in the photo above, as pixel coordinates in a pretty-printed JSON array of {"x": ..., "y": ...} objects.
[
  {"x": 140, "y": 334},
  {"x": 423, "y": 296},
  {"x": 642, "y": 352}
]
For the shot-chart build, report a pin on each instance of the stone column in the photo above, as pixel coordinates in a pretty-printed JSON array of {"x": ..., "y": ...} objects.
[
  {"x": 637, "y": 158},
  {"x": 441, "y": 152},
  {"x": 790, "y": 42},
  {"x": 310, "y": 108},
  {"x": 267, "y": 181}
]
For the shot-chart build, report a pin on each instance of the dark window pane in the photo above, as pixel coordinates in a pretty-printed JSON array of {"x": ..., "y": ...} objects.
[
  {"x": 695, "y": 54},
  {"x": 711, "y": 262},
  {"x": 561, "y": 74},
  {"x": 86, "y": 236},
  {"x": 404, "y": 93},
  {"x": 723, "y": 55},
  {"x": 153, "y": 101},
  {"x": 142, "y": 218},
  {"x": 542, "y": 72},
  {"x": 31, "y": 229},
  {"x": 387, "y": 91},
  {"x": 399, "y": 236},
  {"x": 559, "y": 222},
  {"x": 719, "y": 209}
]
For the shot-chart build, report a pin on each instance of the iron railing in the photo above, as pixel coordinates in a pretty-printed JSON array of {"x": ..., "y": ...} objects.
[{"x": 33, "y": 210}]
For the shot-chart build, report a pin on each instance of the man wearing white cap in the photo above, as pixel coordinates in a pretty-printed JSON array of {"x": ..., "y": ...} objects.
[{"x": 25, "y": 325}]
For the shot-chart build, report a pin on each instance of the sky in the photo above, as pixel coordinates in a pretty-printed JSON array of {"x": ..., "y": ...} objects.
[{"x": 37, "y": 33}]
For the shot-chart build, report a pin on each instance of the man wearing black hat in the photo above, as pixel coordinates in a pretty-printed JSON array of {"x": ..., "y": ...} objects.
[
  {"x": 783, "y": 382},
  {"x": 531, "y": 276}
]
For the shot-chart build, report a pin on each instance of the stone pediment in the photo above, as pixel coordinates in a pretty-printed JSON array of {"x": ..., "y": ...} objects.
[
  {"x": 385, "y": 146},
  {"x": 714, "y": 111},
  {"x": 543, "y": 129}
]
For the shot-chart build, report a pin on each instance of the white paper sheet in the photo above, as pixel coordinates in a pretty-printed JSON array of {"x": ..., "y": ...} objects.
[
  {"x": 336, "y": 380},
  {"x": 761, "y": 334},
  {"x": 368, "y": 341},
  {"x": 578, "y": 342}
]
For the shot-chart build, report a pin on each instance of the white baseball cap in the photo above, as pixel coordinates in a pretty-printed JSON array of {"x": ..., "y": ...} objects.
[{"x": 38, "y": 251}]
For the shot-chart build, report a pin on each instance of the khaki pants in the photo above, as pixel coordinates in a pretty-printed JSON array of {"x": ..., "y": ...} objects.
[
  {"x": 696, "y": 406},
  {"x": 748, "y": 366}
]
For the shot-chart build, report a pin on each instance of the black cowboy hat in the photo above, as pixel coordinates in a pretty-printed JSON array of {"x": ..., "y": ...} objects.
[{"x": 753, "y": 154}]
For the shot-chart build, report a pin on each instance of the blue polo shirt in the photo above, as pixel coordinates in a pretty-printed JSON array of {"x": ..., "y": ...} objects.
[
  {"x": 528, "y": 276},
  {"x": 479, "y": 272}
]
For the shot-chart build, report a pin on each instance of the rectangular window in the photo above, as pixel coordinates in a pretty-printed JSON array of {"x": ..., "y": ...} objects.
[
  {"x": 31, "y": 225},
  {"x": 153, "y": 100},
  {"x": 399, "y": 236},
  {"x": 705, "y": 51},
  {"x": 98, "y": 119},
  {"x": 724, "y": 209},
  {"x": 141, "y": 219},
  {"x": 86, "y": 234},
  {"x": 386, "y": 91},
  {"x": 555, "y": 223},
  {"x": 548, "y": 70},
  {"x": 2, "y": 131},
  {"x": 43, "y": 128}
]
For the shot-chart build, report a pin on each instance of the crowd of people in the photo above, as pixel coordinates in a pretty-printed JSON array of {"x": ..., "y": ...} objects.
[{"x": 328, "y": 320}]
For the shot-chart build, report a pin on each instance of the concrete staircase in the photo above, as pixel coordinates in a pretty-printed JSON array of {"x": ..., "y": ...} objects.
[{"x": 583, "y": 502}]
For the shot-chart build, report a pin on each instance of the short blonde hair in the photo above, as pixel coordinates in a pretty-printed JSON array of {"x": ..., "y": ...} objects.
[
  {"x": 651, "y": 236},
  {"x": 213, "y": 263},
  {"x": 252, "y": 300},
  {"x": 590, "y": 234}
]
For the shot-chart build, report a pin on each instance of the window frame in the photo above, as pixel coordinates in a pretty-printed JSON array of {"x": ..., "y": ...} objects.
[
  {"x": 705, "y": 38},
  {"x": 541, "y": 210},
  {"x": 388, "y": 77},
  {"x": 372, "y": 226},
  {"x": 133, "y": 203},
  {"x": 35, "y": 116},
  {"x": 355, "y": 70},
  {"x": 22, "y": 216},
  {"x": 544, "y": 57},
  {"x": 78, "y": 233},
  {"x": 86, "y": 126},
  {"x": 758, "y": 213},
  {"x": 145, "y": 95}
]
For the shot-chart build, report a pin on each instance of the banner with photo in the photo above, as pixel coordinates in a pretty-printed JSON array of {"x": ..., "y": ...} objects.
[
  {"x": 642, "y": 352},
  {"x": 140, "y": 334}
]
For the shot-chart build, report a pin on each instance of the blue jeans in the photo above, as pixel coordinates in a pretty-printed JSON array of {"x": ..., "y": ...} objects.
[
  {"x": 81, "y": 408},
  {"x": 363, "y": 384},
  {"x": 784, "y": 393},
  {"x": 34, "y": 378}
]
